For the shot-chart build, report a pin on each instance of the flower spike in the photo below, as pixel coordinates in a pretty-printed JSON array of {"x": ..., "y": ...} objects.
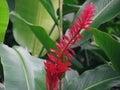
[{"x": 59, "y": 64}]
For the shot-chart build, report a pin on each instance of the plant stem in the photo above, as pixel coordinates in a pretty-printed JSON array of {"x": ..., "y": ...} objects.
[{"x": 60, "y": 24}]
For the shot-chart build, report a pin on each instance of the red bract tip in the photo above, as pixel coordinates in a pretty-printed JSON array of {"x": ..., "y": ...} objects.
[
  {"x": 59, "y": 64},
  {"x": 85, "y": 18}
]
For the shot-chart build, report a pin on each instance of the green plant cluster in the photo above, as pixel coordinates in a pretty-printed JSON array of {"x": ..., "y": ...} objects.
[{"x": 96, "y": 65}]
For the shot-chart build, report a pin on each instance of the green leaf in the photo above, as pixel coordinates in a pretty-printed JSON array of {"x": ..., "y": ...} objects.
[
  {"x": 69, "y": 76},
  {"x": 100, "y": 78},
  {"x": 43, "y": 37},
  {"x": 4, "y": 18},
  {"x": 100, "y": 56},
  {"x": 49, "y": 7},
  {"x": 40, "y": 34},
  {"x": 21, "y": 70},
  {"x": 76, "y": 64},
  {"x": 110, "y": 46},
  {"x": 36, "y": 14}
]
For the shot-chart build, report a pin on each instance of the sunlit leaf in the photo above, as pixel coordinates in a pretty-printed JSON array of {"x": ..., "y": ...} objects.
[
  {"x": 4, "y": 18},
  {"x": 36, "y": 14},
  {"x": 50, "y": 8}
]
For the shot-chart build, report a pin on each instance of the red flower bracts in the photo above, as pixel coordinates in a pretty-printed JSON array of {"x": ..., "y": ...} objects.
[
  {"x": 58, "y": 63},
  {"x": 54, "y": 73}
]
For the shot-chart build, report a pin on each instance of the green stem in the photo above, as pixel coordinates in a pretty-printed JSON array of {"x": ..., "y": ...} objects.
[
  {"x": 60, "y": 24},
  {"x": 52, "y": 29}
]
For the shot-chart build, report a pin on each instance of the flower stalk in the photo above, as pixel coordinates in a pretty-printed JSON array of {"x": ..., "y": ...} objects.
[
  {"x": 61, "y": 31},
  {"x": 61, "y": 18}
]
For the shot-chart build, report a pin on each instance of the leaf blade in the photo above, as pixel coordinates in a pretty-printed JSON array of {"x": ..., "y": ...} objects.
[
  {"x": 91, "y": 78},
  {"x": 110, "y": 46},
  {"x": 19, "y": 63},
  {"x": 43, "y": 37},
  {"x": 37, "y": 15},
  {"x": 49, "y": 7},
  {"x": 4, "y": 18}
]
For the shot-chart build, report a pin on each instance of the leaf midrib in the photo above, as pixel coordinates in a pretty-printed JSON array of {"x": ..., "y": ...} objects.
[
  {"x": 24, "y": 68},
  {"x": 102, "y": 10},
  {"x": 101, "y": 82}
]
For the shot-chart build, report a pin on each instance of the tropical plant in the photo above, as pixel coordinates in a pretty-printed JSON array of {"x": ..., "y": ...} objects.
[{"x": 61, "y": 45}]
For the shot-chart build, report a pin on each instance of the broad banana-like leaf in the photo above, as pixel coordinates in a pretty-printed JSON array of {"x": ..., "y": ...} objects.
[
  {"x": 100, "y": 78},
  {"x": 21, "y": 70},
  {"x": 35, "y": 13}
]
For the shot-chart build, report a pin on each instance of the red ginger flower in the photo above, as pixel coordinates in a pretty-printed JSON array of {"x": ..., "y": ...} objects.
[{"x": 57, "y": 64}]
